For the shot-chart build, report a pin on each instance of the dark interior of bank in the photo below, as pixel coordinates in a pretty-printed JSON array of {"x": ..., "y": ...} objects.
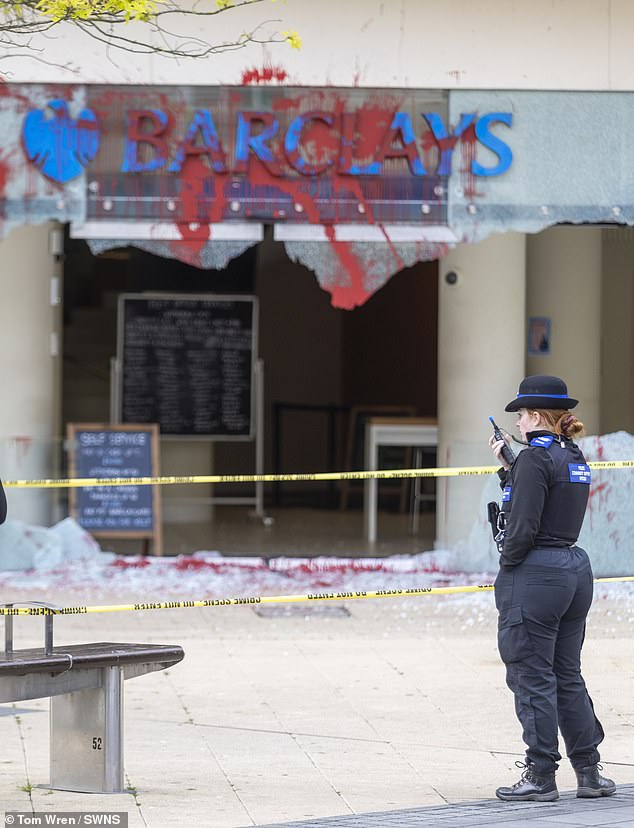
[{"x": 326, "y": 369}]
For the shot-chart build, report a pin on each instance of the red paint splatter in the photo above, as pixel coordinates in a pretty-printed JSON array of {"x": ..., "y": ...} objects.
[
  {"x": 188, "y": 563},
  {"x": 371, "y": 122},
  {"x": 4, "y": 176},
  {"x": 341, "y": 566},
  {"x": 13, "y": 93},
  {"x": 22, "y": 446},
  {"x": 185, "y": 564},
  {"x": 194, "y": 224},
  {"x": 431, "y": 144},
  {"x": 598, "y": 495},
  {"x": 320, "y": 143},
  {"x": 267, "y": 74},
  {"x": 468, "y": 145},
  {"x": 203, "y": 195},
  {"x": 370, "y": 125},
  {"x": 343, "y": 296},
  {"x": 354, "y": 294},
  {"x": 135, "y": 563}
]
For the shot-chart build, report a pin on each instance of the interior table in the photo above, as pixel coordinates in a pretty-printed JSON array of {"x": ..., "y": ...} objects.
[{"x": 390, "y": 431}]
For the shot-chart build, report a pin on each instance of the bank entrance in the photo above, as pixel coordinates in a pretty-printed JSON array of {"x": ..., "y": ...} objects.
[{"x": 326, "y": 371}]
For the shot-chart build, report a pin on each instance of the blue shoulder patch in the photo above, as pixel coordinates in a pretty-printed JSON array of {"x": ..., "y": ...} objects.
[
  {"x": 544, "y": 441},
  {"x": 506, "y": 494},
  {"x": 579, "y": 473}
]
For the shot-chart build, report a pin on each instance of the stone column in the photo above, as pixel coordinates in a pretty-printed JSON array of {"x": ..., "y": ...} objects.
[
  {"x": 563, "y": 281},
  {"x": 29, "y": 321},
  {"x": 481, "y": 347}
]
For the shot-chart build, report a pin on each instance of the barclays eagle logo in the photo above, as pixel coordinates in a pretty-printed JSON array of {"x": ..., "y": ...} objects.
[{"x": 61, "y": 147}]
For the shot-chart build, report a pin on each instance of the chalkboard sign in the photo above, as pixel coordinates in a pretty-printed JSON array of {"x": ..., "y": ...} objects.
[
  {"x": 102, "y": 451},
  {"x": 186, "y": 362}
]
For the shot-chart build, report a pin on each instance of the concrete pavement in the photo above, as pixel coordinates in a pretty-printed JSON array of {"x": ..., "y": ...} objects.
[
  {"x": 384, "y": 715},
  {"x": 567, "y": 812}
]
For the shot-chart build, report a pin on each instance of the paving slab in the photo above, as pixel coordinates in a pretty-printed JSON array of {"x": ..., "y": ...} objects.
[{"x": 611, "y": 811}]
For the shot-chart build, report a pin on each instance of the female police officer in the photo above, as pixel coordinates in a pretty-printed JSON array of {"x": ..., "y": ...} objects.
[
  {"x": 543, "y": 592},
  {"x": 3, "y": 505}
]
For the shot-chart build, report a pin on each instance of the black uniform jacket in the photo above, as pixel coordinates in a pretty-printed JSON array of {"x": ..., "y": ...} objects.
[
  {"x": 545, "y": 494},
  {"x": 3, "y": 505}
]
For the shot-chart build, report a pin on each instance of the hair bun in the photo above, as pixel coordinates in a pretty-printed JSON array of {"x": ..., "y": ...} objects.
[{"x": 566, "y": 423}]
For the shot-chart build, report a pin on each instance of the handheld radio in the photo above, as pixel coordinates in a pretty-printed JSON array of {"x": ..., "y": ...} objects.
[{"x": 506, "y": 453}]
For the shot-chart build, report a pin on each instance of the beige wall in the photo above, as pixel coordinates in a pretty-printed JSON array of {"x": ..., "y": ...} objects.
[
  {"x": 617, "y": 329},
  {"x": 536, "y": 44},
  {"x": 563, "y": 284}
]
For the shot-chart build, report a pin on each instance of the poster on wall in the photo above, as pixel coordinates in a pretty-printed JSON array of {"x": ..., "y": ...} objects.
[{"x": 539, "y": 336}]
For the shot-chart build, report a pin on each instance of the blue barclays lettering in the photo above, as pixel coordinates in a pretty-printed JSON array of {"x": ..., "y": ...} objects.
[
  {"x": 493, "y": 143},
  {"x": 314, "y": 143},
  {"x": 255, "y": 132}
]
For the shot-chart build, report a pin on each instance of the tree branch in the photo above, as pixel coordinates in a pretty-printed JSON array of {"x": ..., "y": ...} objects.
[{"x": 102, "y": 20}]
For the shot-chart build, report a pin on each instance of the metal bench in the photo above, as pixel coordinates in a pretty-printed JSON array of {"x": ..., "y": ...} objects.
[{"x": 85, "y": 685}]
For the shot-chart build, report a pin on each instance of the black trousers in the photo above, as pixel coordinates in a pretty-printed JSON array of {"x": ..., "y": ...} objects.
[{"x": 542, "y": 604}]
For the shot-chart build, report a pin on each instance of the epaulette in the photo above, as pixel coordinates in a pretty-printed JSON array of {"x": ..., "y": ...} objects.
[{"x": 544, "y": 441}]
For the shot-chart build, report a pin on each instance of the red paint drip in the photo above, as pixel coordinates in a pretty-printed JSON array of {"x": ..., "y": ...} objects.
[
  {"x": 598, "y": 495},
  {"x": 468, "y": 144},
  {"x": 367, "y": 210},
  {"x": 429, "y": 142},
  {"x": 4, "y": 176},
  {"x": 267, "y": 74},
  {"x": 372, "y": 123},
  {"x": 194, "y": 226},
  {"x": 343, "y": 296},
  {"x": 354, "y": 294}
]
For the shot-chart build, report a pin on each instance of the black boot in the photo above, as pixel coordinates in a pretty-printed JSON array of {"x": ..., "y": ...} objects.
[
  {"x": 531, "y": 786},
  {"x": 590, "y": 783}
]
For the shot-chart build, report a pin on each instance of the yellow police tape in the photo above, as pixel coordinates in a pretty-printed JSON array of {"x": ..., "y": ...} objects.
[
  {"x": 264, "y": 599},
  {"x": 384, "y": 474}
]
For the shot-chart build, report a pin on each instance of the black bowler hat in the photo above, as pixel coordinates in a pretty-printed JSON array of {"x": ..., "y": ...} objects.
[{"x": 542, "y": 391}]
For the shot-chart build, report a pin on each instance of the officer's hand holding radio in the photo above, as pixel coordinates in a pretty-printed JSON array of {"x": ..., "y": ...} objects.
[
  {"x": 496, "y": 447},
  {"x": 500, "y": 447}
]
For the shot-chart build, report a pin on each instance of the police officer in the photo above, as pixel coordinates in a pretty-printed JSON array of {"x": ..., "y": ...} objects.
[
  {"x": 543, "y": 593},
  {"x": 3, "y": 505}
]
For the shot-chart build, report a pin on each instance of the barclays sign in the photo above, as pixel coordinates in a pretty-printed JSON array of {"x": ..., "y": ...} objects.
[
  {"x": 61, "y": 147},
  {"x": 213, "y": 154}
]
